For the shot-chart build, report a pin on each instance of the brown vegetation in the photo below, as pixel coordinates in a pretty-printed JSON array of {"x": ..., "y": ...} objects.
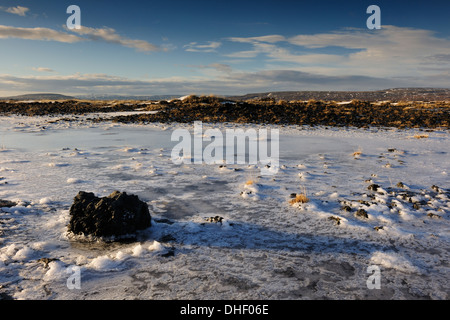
[
  {"x": 421, "y": 136},
  {"x": 300, "y": 198},
  {"x": 41, "y": 108},
  {"x": 264, "y": 111},
  {"x": 357, "y": 153},
  {"x": 356, "y": 113}
]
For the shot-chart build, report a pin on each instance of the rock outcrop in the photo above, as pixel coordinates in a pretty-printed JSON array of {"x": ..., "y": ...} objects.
[{"x": 117, "y": 215}]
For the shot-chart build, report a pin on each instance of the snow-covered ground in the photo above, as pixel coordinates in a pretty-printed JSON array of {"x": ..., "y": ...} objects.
[{"x": 265, "y": 247}]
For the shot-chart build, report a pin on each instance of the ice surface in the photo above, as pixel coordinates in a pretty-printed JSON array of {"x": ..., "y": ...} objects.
[{"x": 264, "y": 248}]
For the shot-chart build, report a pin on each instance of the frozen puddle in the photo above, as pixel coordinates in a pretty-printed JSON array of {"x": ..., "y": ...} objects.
[{"x": 263, "y": 248}]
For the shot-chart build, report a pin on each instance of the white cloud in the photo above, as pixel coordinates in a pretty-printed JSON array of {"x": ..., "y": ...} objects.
[
  {"x": 222, "y": 83},
  {"x": 210, "y": 46},
  {"x": 44, "y": 34},
  {"x": 279, "y": 54},
  {"x": 437, "y": 59},
  {"x": 391, "y": 48},
  {"x": 243, "y": 54},
  {"x": 220, "y": 67},
  {"x": 42, "y": 69},
  {"x": 84, "y": 34},
  {"x": 269, "y": 39},
  {"x": 366, "y": 60},
  {"x": 262, "y": 44},
  {"x": 110, "y": 35},
  {"x": 389, "y": 52},
  {"x": 363, "y": 38},
  {"x": 21, "y": 11}
]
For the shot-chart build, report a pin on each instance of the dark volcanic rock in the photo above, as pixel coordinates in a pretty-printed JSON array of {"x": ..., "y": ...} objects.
[
  {"x": 400, "y": 185},
  {"x": 360, "y": 113},
  {"x": 361, "y": 213},
  {"x": 337, "y": 220},
  {"x": 357, "y": 113},
  {"x": 117, "y": 215},
  {"x": 46, "y": 261},
  {"x": 346, "y": 208},
  {"x": 7, "y": 204},
  {"x": 436, "y": 189},
  {"x": 215, "y": 219}
]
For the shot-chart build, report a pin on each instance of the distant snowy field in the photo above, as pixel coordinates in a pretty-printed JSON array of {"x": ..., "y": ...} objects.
[{"x": 265, "y": 247}]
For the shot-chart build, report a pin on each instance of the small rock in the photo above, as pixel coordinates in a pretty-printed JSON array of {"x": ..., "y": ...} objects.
[
  {"x": 432, "y": 215},
  {"x": 215, "y": 219},
  {"x": 436, "y": 188},
  {"x": 46, "y": 261},
  {"x": 346, "y": 208},
  {"x": 378, "y": 228},
  {"x": 7, "y": 204},
  {"x": 165, "y": 221},
  {"x": 337, "y": 220},
  {"x": 400, "y": 185},
  {"x": 169, "y": 253},
  {"x": 373, "y": 187},
  {"x": 366, "y": 203},
  {"x": 361, "y": 213},
  {"x": 167, "y": 238}
]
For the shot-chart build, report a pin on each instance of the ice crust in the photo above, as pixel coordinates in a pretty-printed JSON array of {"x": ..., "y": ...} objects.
[{"x": 265, "y": 248}]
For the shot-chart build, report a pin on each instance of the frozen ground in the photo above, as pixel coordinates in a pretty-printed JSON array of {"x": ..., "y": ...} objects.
[{"x": 265, "y": 247}]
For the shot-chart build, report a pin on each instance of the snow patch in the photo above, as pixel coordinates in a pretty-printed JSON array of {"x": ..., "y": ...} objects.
[
  {"x": 103, "y": 263},
  {"x": 45, "y": 200},
  {"x": 393, "y": 260},
  {"x": 23, "y": 254},
  {"x": 57, "y": 270},
  {"x": 156, "y": 247},
  {"x": 74, "y": 181}
]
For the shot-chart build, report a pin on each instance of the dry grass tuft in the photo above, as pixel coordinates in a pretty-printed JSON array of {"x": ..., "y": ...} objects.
[
  {"x": 357, "y": 153},
  {"x": 421, "y": 136},
  {"x": 300, "y": 198}
]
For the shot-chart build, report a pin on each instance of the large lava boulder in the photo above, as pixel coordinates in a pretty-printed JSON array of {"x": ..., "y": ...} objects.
[{"x": 117, "y": 215}]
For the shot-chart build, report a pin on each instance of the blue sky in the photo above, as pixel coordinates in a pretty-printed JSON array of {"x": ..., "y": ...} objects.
[{"x": 229, "y": 47}]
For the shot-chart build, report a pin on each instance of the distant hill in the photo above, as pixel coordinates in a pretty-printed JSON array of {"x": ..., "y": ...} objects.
[
  {"x": 54, "y": 96},
  {"x": 98, "y": 97},
  {"x": 39, "y": 96},
  {"x": 119, "y": 97},
  {"x": 394, "y": 95}
]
